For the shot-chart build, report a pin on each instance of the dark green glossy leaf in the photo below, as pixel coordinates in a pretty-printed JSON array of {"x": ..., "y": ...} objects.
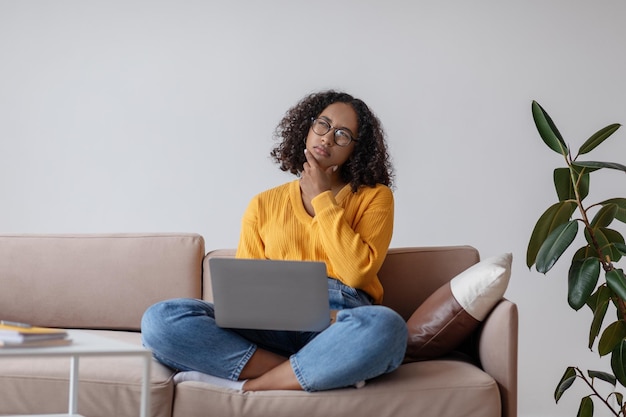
[
  {"x": 547, "y": 130},
  {"x": 620, "y": 247},
  {"x": 565, "y": 187},
  {"x": 600, "y": 307},
  {"x": 604, "y": 216},
  {"x": 555, "y": 244},
  {"x": 584, "y": 169},
  {"x": 618, "y": 362},
  {"x": 597, "y": 138},
  {"x": 601, "y": 294},
  {"x": 556, "y": 215},
  {"x": 584, "y": 253},
  {"x": 582, "y": 281},
  {"x": 614, "y": 238},
  {"x": 604, "y": 376},
  {"x": 606, "y": 239},
  {"x": 611, "y": 337},
  {"x": 586, "y": 407},
  {"x": 566, "y": 381},
  {"x": 621, "y": 207},
  {"x": 563, "y": 184},
  {"x": 598, "y": 164},
  {"x": 617, "y": 282}
]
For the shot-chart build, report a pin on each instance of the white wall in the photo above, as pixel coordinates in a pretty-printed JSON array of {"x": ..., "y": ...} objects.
[{"x": 130, "y": 116}]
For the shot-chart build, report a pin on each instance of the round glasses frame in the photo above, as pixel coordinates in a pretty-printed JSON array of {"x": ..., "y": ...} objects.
[{"x": 341, "y": 137}]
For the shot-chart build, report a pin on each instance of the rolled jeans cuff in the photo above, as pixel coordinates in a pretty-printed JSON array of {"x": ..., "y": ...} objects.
[
  {"x": 299, "y": 376},
  {"x": 243, "y": 362}
]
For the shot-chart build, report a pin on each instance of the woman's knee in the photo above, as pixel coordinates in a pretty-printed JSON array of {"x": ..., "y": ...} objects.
[
  {"x": 393, "y": 333},
  {"x": 379, "y": 318},
  {"x": 162, "y": 320},
  {"x": 381, "y": 324},
  {"x": 378, "y": 334},
  {"x": 153, "y": 322}
]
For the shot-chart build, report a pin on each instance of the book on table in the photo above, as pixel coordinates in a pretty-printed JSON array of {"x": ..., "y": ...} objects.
[{"x": 13, "y": 334}]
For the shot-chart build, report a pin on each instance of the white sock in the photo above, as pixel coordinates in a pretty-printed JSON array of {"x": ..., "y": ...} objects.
[
  {"x": 359, "y": 384},
  {"x": 209, "y": 379}
]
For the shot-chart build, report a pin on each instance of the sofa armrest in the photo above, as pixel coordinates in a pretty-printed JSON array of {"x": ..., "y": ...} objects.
[{"x": 497, "y": 351}]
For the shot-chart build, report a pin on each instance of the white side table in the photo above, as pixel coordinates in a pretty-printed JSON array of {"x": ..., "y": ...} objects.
[{"x": 86, "y": 344}]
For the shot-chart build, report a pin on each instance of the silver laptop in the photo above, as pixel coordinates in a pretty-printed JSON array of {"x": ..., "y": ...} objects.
[{"x": 270, "y": 295}]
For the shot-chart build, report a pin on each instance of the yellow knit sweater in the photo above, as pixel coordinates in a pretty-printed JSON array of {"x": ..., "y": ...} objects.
[{"x": 350, "y": 232}]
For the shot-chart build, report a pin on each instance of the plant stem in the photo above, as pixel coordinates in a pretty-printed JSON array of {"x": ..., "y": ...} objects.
[
  {"x": 597, "y": 394},
  {"x": 606, "y": 265},
  {"x": 622, "y": 308}
]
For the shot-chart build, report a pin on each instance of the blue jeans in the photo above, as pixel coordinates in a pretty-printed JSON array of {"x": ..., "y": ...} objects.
[{"x": 365, "y": 341}]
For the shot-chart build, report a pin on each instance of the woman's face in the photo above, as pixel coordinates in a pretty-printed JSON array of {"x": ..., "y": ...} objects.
[{"x": 340, "y": 116}]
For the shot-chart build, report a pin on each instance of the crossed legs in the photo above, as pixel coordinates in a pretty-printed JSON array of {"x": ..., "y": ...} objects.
[{"x": 364, "y": 342}]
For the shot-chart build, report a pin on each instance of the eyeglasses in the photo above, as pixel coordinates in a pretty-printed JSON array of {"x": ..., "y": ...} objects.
[{"x": 342, "y": 137}]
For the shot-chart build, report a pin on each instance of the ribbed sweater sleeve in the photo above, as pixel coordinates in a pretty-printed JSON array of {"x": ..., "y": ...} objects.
[{"x": 356, "y": 249}]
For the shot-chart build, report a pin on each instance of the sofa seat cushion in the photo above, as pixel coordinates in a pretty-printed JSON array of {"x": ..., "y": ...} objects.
[
  {"x": 442, "y": 387},
  {"x": 109, "y": 386}
]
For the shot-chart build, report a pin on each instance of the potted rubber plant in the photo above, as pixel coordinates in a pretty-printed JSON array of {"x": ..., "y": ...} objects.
[{"x": 594, "y": 279}]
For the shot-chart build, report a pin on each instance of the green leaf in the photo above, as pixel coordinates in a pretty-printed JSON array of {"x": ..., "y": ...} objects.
[
  {"x": 604, "y": 376},
  {"x": 619, "y": 397},
  {"x": 555, "y": 244},
  {"x": 583, "y": 253},
  {"x": 621, "y": 207},
  {"x": 582, "y": 280},
  {"x": 618, "y": 362},
  {"x": 556, "y": 215},
  {"x": 613, "y": 237},
  {"x": 563, "y": 184},
  {"x": 604, "y": 216},
  {"x": 601, "y": 294},
  {"x": 617, "y": 282},
  {"x": 565, "y": 187},
  {"x": 599, "y": 304},
  {"x": 605, "y": 239},
  {"x": 566, "y": 381},
  {"x": 547, "y": 130},
  {"x": 597, "y": 164},
  {"x": 586, "y": 407},
  {"x": 611, "y": 337},
  {"x": 597, "y": 138},
  {"x": 620, "y": 247}
]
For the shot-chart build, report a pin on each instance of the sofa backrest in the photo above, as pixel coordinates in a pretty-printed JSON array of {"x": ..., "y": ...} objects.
[
  {"x": 409, "y": 275},
  {"x": 95, "y": 281}
]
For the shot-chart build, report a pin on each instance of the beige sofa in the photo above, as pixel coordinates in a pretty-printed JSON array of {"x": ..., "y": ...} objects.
[{"x": 104, "y": 283}]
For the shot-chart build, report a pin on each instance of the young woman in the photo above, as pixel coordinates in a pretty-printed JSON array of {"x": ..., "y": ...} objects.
[{"x": 339, "y": 211}]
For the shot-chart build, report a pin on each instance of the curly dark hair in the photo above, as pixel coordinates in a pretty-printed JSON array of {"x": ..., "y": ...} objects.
[{"x": 370, "y": 162}]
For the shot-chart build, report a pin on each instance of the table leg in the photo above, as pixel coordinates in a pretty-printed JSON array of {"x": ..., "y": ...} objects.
[{"x": 73, "y": 405}]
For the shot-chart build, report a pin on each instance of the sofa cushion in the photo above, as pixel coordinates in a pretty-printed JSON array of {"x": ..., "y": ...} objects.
[
  {"x": 411, "y": 274},
  {"x": 454, "y": 311},
  {"x": 442, "y": 388},
  {"x": 99, "y": 281}
]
